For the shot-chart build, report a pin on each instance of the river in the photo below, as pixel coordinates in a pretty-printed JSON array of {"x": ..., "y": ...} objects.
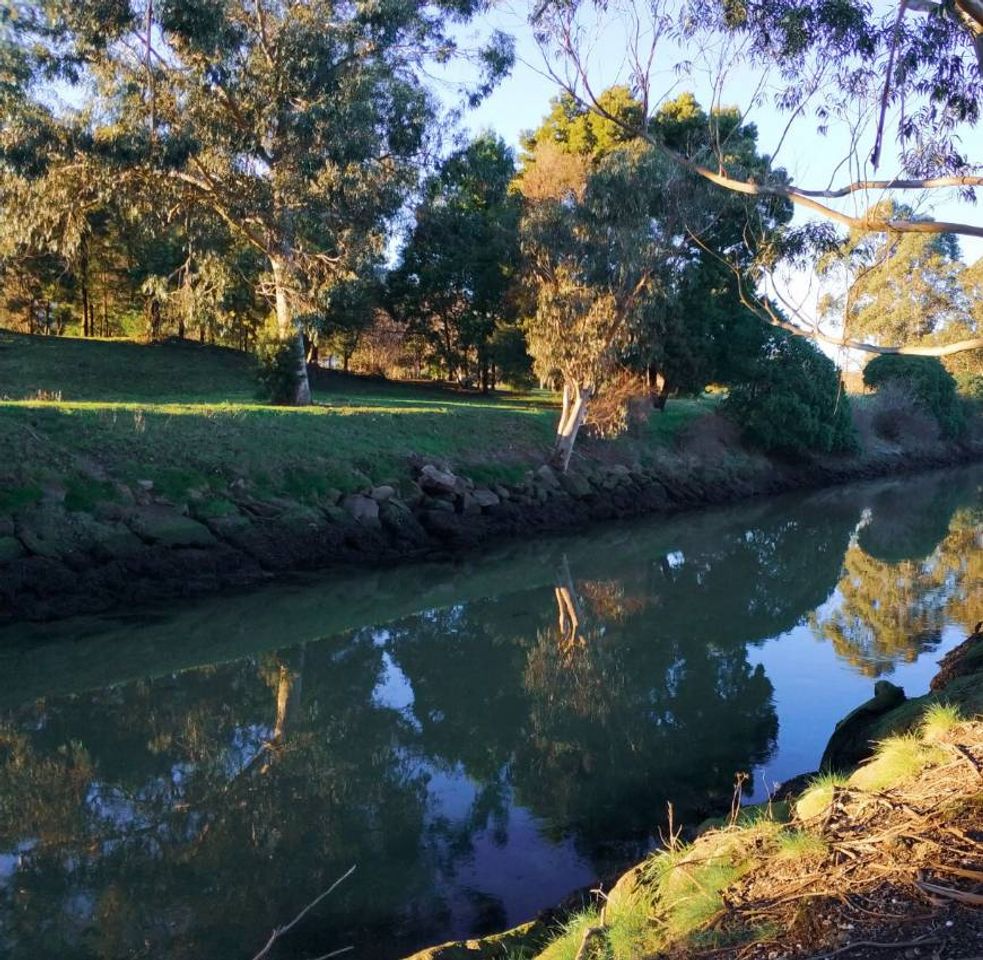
[{"x": 479, "y": 738}]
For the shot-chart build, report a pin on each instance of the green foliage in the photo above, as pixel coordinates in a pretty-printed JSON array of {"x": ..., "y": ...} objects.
[
  {"x": 278, "y": 372},
  {"x": 794, "y": 402},
  {"x": 83, "y": 493},
  {"x": 452, "y": 286},
  {"x": 927, "y": 380},
  {"x": 896, "y": 288}
]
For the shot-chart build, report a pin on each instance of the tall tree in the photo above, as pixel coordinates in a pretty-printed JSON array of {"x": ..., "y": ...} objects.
[
  {"x": 452, "y": 286},
  {"x": 296, "y": 124},
  {"x": 624, "y": 266}
]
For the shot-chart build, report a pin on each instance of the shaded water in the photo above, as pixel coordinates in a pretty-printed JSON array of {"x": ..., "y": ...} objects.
[{"x": 480, "y": 739}]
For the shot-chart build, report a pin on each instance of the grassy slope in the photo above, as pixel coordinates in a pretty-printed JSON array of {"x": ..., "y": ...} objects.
[
  {"x": 82, "y": 413},
  {"x": 773, "y": 874}
]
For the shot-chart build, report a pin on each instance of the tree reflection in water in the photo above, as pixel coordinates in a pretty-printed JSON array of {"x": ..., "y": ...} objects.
[{"x": 475, "y": 759}]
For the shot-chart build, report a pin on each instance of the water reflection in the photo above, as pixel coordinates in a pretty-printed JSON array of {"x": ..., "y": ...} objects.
[{"x": 478, "y": 741}]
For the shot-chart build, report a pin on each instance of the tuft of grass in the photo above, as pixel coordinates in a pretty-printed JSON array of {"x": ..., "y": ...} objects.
[
  {"x": 938, "y": 720},
  {"x": 815, "y": 801},
  {"x": 567, "y": 942},
  {"x": 82, "y": 493},
  {"x": 800, "y": 845},
  {"x": 897, "y": 759},
  {"x": 13, "y": 498}
]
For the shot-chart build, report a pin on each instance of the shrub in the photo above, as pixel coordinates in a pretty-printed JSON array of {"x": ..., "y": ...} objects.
[
  {"x": 277, "y": 374},
  {"x": 928, "y": 382},
  {"x": 894, "y": 414},
  {"x": 794, "y": 402}
]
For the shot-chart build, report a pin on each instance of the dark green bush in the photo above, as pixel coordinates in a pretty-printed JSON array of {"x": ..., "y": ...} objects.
[
  {"x": 794, "y": 402},
  {"x": 928, "y": 382},
  {"x": 278, "y": 373}
]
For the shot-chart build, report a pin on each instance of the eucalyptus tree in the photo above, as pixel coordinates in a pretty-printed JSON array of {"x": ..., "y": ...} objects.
[
  {"x": 298, "y": 125},
  {"x": 897, "y": 288},
  {"x": 624, "y": 266},
  {"x": 857, "y": 68}
]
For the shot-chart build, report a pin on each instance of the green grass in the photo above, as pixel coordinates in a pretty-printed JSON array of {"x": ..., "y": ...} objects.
[
  {"x": 185, "y": 418},
  {"x": 816, "y": 799},
  {"x": 897, "y": 759},
  {"x": 938, "y": 720}
]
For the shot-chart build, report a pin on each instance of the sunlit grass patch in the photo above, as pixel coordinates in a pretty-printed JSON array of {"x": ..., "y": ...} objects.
[
  {"x": 938, "y": 720},
  {"x": 897, "y": 759},
  {"x": 567, "y": 943},
  {"x": 815, "y": 801}
]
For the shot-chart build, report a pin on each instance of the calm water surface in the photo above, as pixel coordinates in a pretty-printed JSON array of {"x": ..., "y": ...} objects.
[{"x": 480, "y": 739}]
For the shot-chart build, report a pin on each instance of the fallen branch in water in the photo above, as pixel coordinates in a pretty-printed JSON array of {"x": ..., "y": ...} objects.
[{"x": 280, "y": 931}]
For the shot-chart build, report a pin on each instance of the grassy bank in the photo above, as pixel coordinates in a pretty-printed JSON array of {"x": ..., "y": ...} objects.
[
  {"x": 86, "y": 414},
  {"x": 860, "y": 858}
]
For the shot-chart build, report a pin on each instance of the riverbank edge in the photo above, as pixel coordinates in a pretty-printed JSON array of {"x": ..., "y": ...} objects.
[
  {"x": 140, "y": 548},
  {"x": 958, "y": 683}
]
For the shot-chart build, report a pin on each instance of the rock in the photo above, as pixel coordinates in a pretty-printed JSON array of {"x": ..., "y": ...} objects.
[
  {"x": 547, "y": 477},
  {"x": 145, "y": 485},
  {"x": 851, "y": 740},
  {"x": 227, "y": 525},
  {"x": 485, "y": 498},
  {"x": 503, "y": 492},
  {"x": 361, "y": 508},
  {"x": 436, "y": 503},
  {"x": 410, "y": 492},
  {"x": 333, "y": 496},
  {"x": 966, "y": 659},
  {"x": 158, "y": 525},
  {"x": 576, "y": 485},
  {"x": 468, "y": 505},
  {"x": 382, "y": 492},
  {"x": 435, "y": 480},
  {"x": 10, "y": 549},
  {"x": 451, "y": 527},
  {"x": 398, "y": 519}
]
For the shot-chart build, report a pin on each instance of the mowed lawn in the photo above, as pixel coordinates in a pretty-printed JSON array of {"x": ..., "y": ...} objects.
[{"x": 186, "y": 417}]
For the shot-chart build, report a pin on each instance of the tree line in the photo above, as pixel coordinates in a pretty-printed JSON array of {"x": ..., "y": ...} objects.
[{"x": 238, "y": 173}]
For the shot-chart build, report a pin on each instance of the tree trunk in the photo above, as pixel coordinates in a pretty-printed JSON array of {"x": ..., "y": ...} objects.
[
  {"x": 287, "y": 330},
  {"x": 84, "y": 285},
  {"x": 575, "y": 401},
  {"x": 661, "y": 395}
]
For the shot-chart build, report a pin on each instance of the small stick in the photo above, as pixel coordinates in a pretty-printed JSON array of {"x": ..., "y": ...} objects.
[{"x": 280, "y": 931}]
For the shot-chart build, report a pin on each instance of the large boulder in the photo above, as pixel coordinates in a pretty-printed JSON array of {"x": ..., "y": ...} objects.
[
  {"x": 435, "y": 480},
  {"x": 851, "y": 741},
  {"x": 162, "y": 526},
  {"x": 363, "y": 509}
]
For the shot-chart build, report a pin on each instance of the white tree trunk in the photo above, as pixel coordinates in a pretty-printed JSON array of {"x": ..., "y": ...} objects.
[
  {"x": 574, "y": 412},
  {"x": 287, "y": 330}
]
